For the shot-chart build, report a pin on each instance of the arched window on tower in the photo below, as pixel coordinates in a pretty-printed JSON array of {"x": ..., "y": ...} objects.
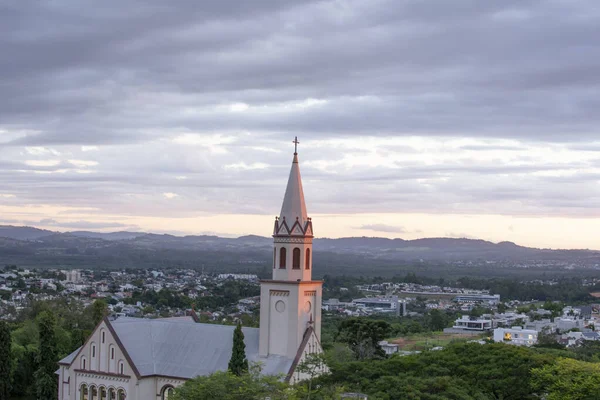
[
  {"x": 296, "y": 258},
  {"x": 93, "y": 393},
  {"x": 307, "y": 259},
  {"x": 282, "y": 257},
  {"x": 274, "y": 258},
  {"x": 84, "y": 392}
]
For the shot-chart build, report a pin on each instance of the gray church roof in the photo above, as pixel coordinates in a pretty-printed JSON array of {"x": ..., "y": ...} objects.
[
  {"x": 185, "y": 349},
  {"x": 69, "y": 359}
]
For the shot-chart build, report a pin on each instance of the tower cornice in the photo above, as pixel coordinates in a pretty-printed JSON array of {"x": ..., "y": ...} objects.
[{"x": 290, "y": 282}]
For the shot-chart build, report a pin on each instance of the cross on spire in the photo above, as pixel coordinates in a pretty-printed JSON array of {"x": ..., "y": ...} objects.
[{"x": 296, "y": 143}]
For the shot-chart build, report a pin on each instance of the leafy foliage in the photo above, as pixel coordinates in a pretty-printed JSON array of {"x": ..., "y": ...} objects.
[
  {"x": 5, "y": 360},
  {"x": 493, "y": 370},
  {"x": 99, "y": 311},
  {"x": 45, "y": 379},
  {"x": 73, "y": 324},
  {"x": 363, "y": 336},
  {"x": 568, "y": 379},
  {"x": 229, "y": 386}
]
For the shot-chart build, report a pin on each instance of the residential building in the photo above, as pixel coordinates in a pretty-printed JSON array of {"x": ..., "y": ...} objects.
[
  {"x": 516, "y": 335},
  {"x": 472, "y": 324},
  {"x": 478, "y": 298},
  {"x": 389, "y": 348},
  {"x": 382, "y": 304}
]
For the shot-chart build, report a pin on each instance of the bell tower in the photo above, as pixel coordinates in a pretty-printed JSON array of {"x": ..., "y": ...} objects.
[{"x": 290, "y": 302}]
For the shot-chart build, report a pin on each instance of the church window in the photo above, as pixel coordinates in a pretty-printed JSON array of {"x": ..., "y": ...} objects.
[
  {"x": 296, "y": 258},
  {"x": 94, "y": 393},
  {"x": 112, "y": 394},
  {"x": 274, "y": 257},
  {"x": 83, "y": 362},
  {"x": 84, "y": 392},
  {"x": 93, "y": 350},
  {"x": 307, "y": 259},
  {"x": 282, "y": 257},
  {"x": 102, "y": 393},
  {"x": 121, "y": 367},
  {"x": 167, "y": 393},
  {"x": 112, "y": 353},
  {"x": 103, "y": 336},
  {"x": 121, "y": 394}
]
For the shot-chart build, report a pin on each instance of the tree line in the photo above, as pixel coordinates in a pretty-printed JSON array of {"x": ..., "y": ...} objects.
[
  {"x": 461, "y": 371},
  {"x": 31, "y": 347}
]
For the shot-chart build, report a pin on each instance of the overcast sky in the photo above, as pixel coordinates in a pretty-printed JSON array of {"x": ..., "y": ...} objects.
[{"x": 461, "y": 118}]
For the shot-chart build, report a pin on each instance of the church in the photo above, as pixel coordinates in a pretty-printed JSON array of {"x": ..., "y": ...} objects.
[{"x": 146, "y": 359}]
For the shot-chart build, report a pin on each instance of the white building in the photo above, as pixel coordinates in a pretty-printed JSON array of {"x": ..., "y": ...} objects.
[
  {"x": 72, "y": 275},
  {"x": 565, "y": 324},
  {"x": 472, "y": 324},
  {"x": 516, "y": 335},
  {"x": 389, "y": 348},
  {"x": 508, "y": 319},
  {"x": 141, "y": 359},
  {"x": 478, "y": 298},
  {"x": 382, "y": 304}
]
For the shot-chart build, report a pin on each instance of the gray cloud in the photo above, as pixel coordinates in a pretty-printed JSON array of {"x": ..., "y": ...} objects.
[
  {"x": 383, "y": 68},
  {"x": 86, "y": 224},
  {"x": 339, "y": 74}
]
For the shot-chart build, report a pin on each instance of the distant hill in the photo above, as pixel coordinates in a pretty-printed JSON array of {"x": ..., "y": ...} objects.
[
  {"x": 29, "y": 246},
  {"x": 23, "y": 232}
]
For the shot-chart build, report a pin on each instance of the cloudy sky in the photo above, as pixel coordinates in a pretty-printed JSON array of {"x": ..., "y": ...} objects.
[{"x": 416, "y": 118}]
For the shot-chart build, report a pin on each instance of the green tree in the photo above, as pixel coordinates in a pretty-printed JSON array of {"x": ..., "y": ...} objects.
[
  {"x": 99, "y": 311},
  {"x": 228, "y": 386},
  {"x": 459, "y": 371},
  {"x": 437, "y": 320},
  {"x": 548, "y": 340},
  {"x": 45, "y": 379},
  {"x": 238, "y": 364},
  {"x": 363, "y": 336},
  {"x": 5, "y": 360},
  {"x": 312, "y": 366},
  {"x": 567, "y": 379}
]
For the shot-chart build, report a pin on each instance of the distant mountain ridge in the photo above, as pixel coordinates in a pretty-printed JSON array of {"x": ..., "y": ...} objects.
[
  {"x": 23, "y": 232},
  {"x": 34, "y": 246}
]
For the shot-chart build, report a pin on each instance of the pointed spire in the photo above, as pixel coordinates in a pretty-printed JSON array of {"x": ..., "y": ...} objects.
[{"x": 294, "y": 207}]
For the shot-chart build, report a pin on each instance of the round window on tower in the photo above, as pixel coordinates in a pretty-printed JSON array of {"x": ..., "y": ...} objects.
[
  {"x": 307, "y": 306},
  {"x": 280, "y": 306}
]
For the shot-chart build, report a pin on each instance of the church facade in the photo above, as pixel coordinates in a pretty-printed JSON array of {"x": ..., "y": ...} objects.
[{"x": 146, "y": 359}]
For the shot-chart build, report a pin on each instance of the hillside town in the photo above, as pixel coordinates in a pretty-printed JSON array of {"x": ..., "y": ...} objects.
[{"x": 137, "y": 293}]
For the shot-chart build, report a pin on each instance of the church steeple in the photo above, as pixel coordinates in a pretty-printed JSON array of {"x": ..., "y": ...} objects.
[
  {"x": 293, "y": 208},
  {"x": 293, "y": 231}
]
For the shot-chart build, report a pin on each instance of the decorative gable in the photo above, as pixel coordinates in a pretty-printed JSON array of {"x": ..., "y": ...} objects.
[
  {"x": 102, "y": 354},
  {"x": 308, "y": 229},
  {"x": 297, "y": 229},
  {"x": 310, "y": 345}
]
